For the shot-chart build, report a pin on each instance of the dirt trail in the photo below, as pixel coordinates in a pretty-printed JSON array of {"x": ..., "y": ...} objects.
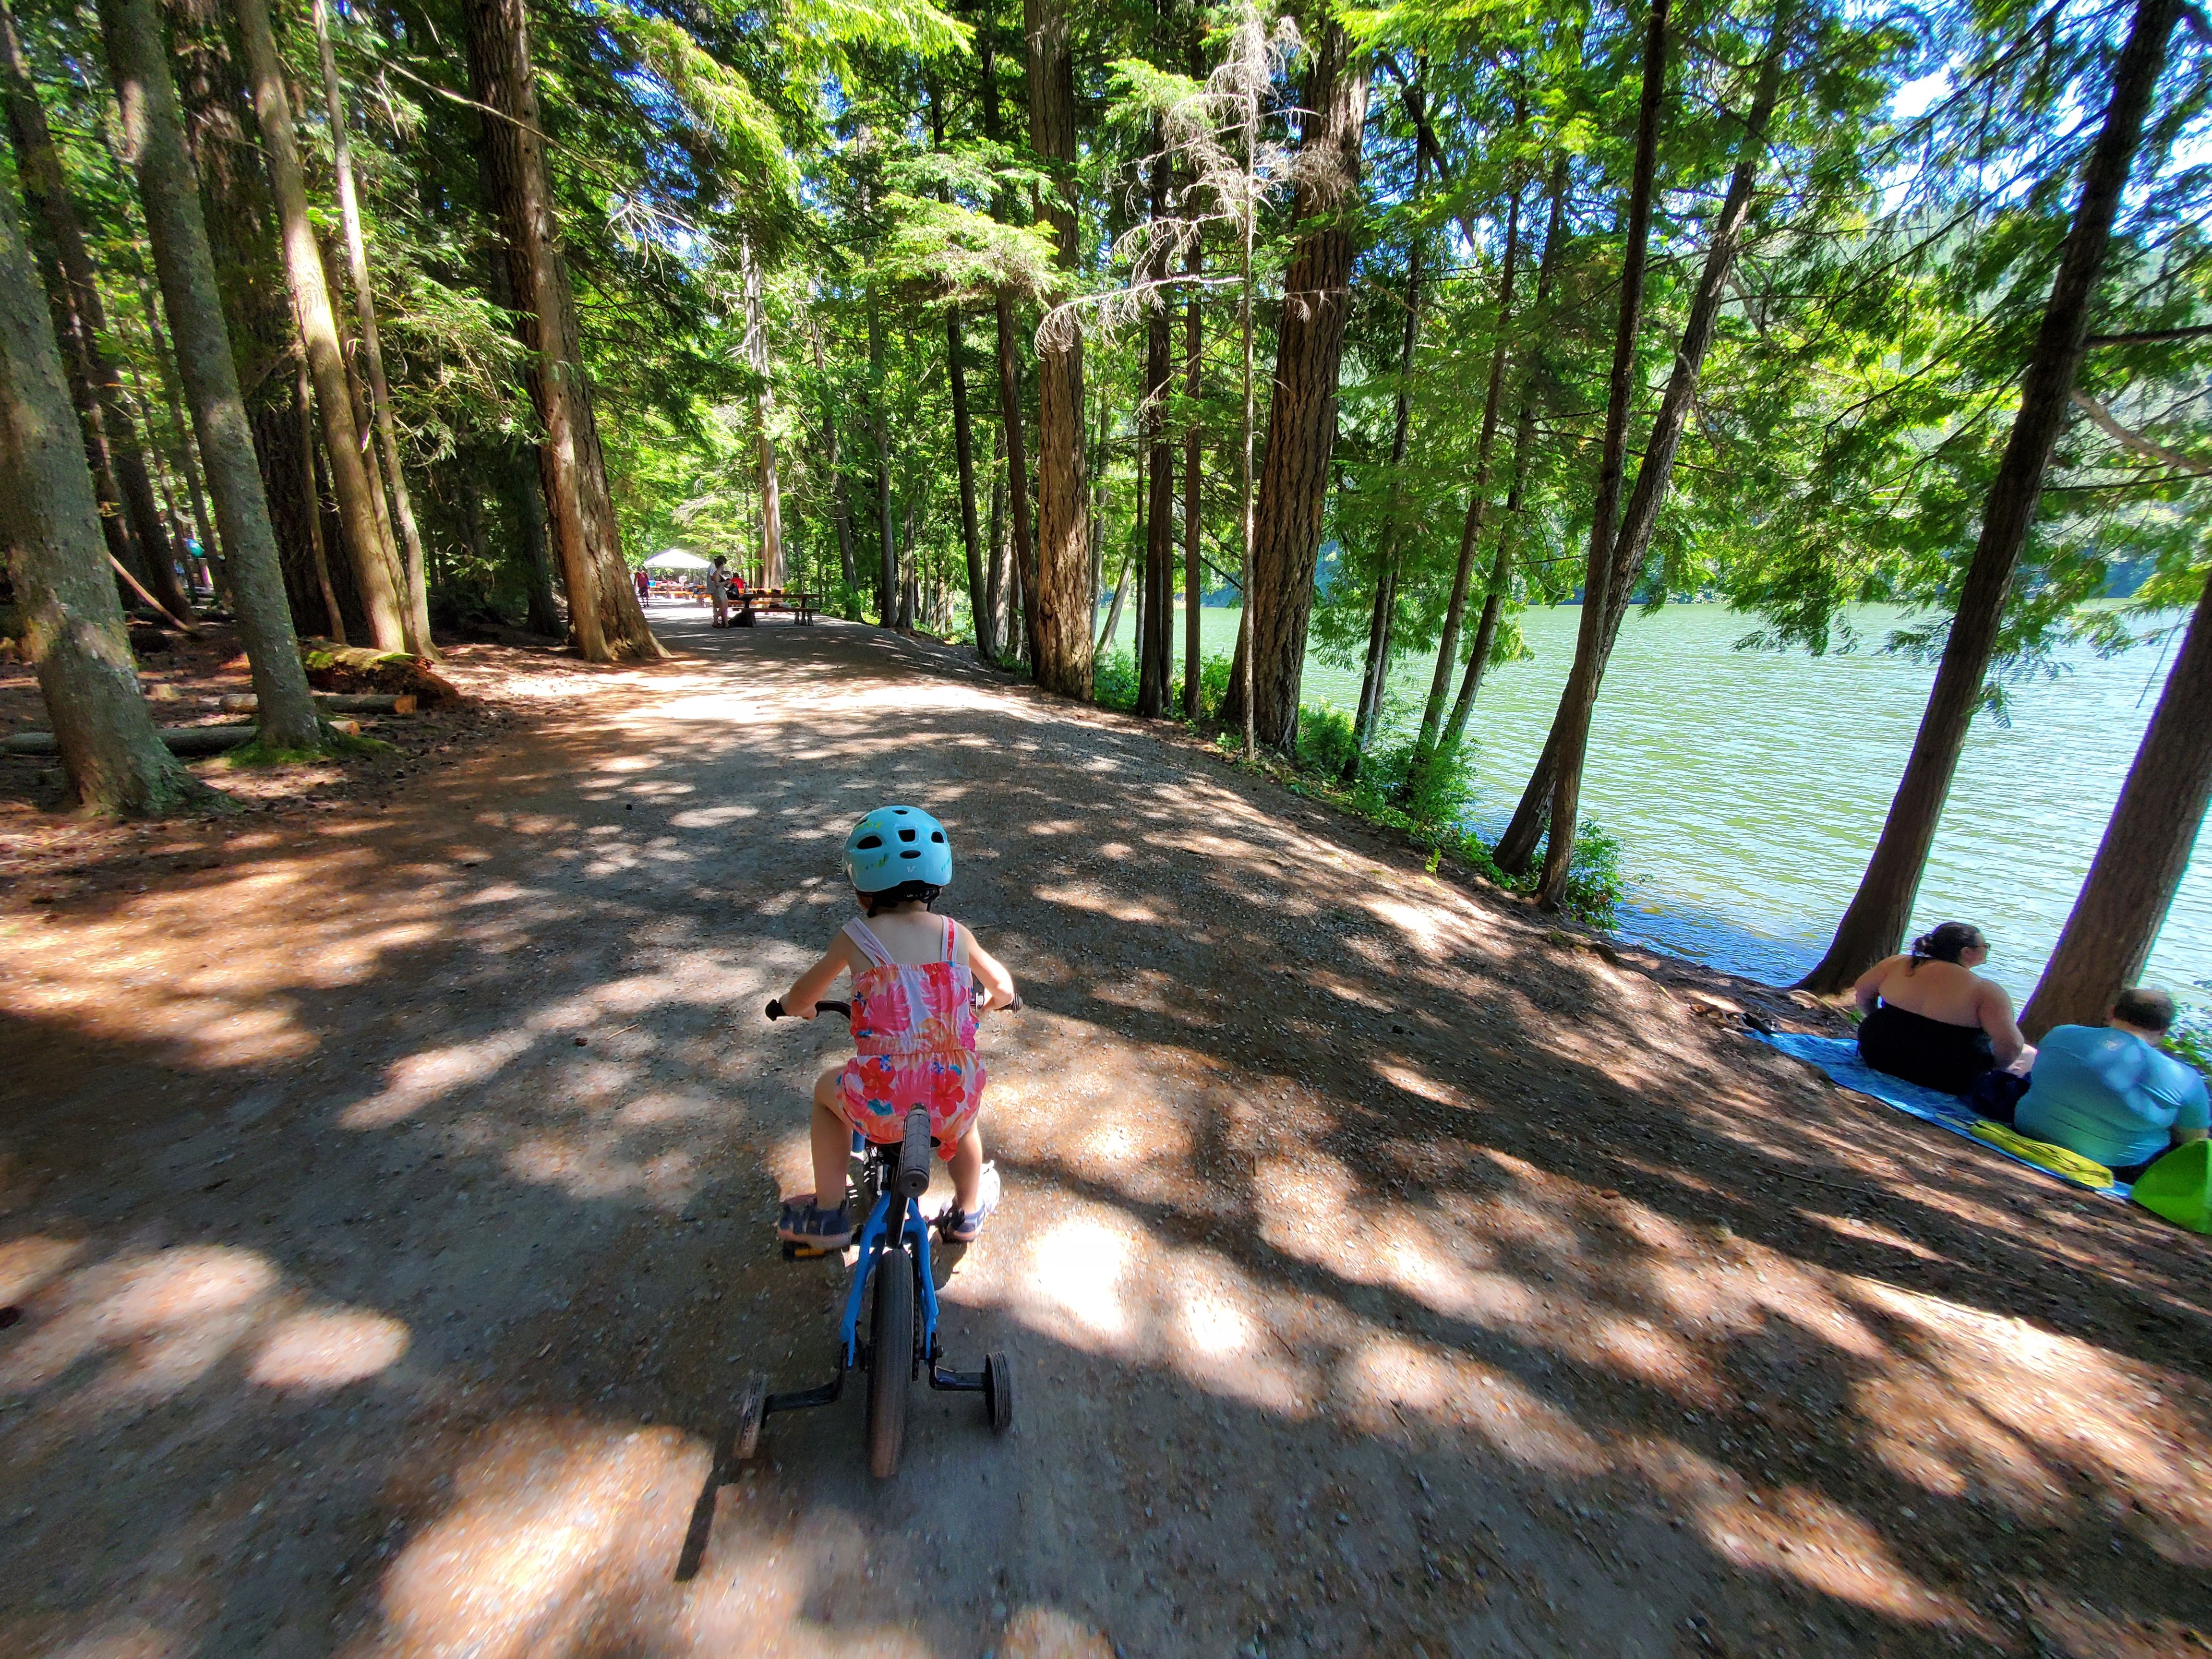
[{"x": 1383, "y": 1274}]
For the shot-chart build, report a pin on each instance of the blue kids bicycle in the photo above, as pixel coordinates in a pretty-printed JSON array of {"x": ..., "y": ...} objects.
[{"x": 894, "y": 1257}]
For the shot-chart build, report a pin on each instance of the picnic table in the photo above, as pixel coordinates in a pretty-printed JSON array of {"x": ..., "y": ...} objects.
[{"x": 796, "y": 601}]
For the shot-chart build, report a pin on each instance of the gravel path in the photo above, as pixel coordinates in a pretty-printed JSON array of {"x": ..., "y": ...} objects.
[{"x": 386, "y": 1181}]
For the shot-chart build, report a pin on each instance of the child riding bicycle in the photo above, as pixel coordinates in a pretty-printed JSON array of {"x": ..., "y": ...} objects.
[{"x": 913, "y": 1024}]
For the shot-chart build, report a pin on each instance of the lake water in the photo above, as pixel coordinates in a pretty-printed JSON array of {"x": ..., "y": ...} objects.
[{"x": 1748, "y": 788}]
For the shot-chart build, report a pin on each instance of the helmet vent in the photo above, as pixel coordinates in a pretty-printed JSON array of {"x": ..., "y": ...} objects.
[
  {"x": 937, "y": 836},
  {"x": 906, "y": 834},
  {"x": 910, "y": 852},
  {"x": 869, "y": 843}
]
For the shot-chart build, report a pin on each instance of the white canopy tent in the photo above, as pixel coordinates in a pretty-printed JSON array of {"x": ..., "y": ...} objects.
[{"x": 676, "y": 559}]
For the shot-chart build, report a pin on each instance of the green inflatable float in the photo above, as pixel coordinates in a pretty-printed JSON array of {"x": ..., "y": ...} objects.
[{"x": 2180, "y": 1187}]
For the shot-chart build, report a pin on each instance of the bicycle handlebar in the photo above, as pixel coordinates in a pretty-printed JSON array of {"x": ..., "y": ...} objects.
[{"x": 776, "y": 1010}]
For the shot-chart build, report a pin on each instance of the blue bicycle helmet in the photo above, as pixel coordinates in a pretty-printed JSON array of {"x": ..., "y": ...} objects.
[{"x": 896, "y": 846}]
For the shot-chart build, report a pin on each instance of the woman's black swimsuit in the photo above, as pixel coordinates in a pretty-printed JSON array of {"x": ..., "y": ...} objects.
[{"x": 1928, "y": 1052}]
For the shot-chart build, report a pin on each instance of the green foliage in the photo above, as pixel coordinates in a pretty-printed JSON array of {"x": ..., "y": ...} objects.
[
  {"x": 2191, "y": 1039},
  {"x": 1114, "y": 681}
]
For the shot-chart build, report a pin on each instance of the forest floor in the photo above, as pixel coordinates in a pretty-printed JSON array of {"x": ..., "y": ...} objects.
[{"x": 387, "y": 1175}]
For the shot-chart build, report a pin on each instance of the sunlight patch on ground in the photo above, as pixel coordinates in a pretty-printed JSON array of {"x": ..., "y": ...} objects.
[
  {"x": 561, "y": 1537},
  {"x": 417, "y": 1080},
  {"x": 312, "y": 1351},
  {"x": 1450, "y": 1390},
  {"x": 2015, "y": 1410},
  {"x": 714, "y": 705},
  {"x": 140, "y": 1329},
  {"x": 1802, "y": 1535},
  {"x": 1413, "y": 1083},
  {"x": 28, "y": 1262},
  {"x": 1093, "y": 903},
  {"x": 1080, "y": 1266}
]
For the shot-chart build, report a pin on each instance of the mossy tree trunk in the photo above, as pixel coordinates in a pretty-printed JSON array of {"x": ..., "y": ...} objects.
[
  {"x": 603, "y": 606},
  {"x": 58, "y": 560},
  {"x": 155, "y": 140},
  {"x": 80, "y": 323},
  {"x": 382, "y": 587}
]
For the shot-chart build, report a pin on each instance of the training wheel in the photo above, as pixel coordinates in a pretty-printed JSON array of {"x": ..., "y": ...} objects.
[
  {"x": 998, "y": 1391},
  {"x": 752, "y": 1411}
]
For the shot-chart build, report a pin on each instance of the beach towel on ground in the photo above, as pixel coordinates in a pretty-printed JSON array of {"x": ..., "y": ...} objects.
[{"x": 1839, "y": 1058}]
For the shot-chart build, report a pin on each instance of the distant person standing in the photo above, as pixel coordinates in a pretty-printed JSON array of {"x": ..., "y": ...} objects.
[
  {"x": 718, "y": 590},
  {"x": 2109, "y": 1093},
  {"x": 644, "y": 587}
]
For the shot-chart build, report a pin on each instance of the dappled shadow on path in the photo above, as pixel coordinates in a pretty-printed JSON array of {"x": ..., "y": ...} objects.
[{"x": 1381, "y": 1273}]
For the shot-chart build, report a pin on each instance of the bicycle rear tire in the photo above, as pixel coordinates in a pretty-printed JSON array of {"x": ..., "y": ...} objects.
[{"x": 890, "y": 1362}]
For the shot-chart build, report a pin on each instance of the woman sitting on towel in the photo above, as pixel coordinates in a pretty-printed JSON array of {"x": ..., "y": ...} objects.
[{"x": 1930, "y": 1019}]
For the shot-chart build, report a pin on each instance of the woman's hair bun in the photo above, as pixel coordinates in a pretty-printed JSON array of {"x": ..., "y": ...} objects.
[{"x": 1947, "y": 942}]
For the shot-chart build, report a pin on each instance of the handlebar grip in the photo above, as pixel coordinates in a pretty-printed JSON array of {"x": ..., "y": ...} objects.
[
  {"x": 914, "y": 1155},
  {"x": 777, "y": 1011}
]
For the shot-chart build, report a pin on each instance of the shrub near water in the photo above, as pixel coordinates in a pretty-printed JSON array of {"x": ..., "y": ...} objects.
[{"x": 1431, "y": 814}]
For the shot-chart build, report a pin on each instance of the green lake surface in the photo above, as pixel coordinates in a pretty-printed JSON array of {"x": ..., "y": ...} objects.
[{"x": 1748, "y": 788}]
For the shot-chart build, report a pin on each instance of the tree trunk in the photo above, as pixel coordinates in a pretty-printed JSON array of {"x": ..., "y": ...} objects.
[
  {"x": 2145, "y": 850},
  {"x": 1478, "y": 507},
  {"x": 1302, "y": 414},
  {"x": 1874, "y": 922},
  {"x": 991, "y": 636},
  {"x": 1012, "y": 430},
  {"x": 526, "y": 500},
  {"x": 1508, "y": 530},
  {"x": 241, "y": 222},
  {"x": 1156, "y": 615},
  {"x": 1530, "y": 820},
  {"x": 840, "y": 510},
  {"x": 186, "y": 443},
  {"x": 887, "y": 594},
  {"x": 80, "y": 323},
  {"x": 603, "y": 607},
  {"x": 155, "y": 139},
  {"x": 1064, "y": 595},
  {"x": 403, "y": 506},
  {"x": 772, "y": 574},
  {"x": 1634, "y": 538},
  {"x": 1194, "y": 568},
  {"x": 390, "y": 626},
  {"x": 58, "y": 560},
  {"x": 963, "y": 452},
  {"x": 1381, "y": 619},
  {"x": 1113, "y": 627},
  {"x": 333, "y": 619}
]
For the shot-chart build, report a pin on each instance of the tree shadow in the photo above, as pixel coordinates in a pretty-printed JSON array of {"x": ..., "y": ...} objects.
[{"x": 367, "y": 1311}]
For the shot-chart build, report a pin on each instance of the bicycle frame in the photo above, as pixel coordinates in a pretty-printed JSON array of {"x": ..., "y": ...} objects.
[{"x": 876, "y": 1240}]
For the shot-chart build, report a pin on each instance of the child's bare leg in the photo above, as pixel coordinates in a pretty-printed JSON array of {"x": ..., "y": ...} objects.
[
  {"x": 832, "y": 1139},
  {"x": 966, "y": 1164}
]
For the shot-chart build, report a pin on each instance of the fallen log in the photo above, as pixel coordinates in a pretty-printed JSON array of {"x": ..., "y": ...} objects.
[
  {"x": 354, "y": 669},
  {"x": 246, "y": 702},
  {"x": 180, "y": 739}
]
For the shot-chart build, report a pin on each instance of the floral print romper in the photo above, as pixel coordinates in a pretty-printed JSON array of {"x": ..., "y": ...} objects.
[{"x": 915, "y": 1026}]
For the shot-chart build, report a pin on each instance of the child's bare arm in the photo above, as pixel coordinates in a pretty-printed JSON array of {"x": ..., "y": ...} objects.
[
  {"x": 998, "y": 983},
  {"x": 806, "y": 990}
]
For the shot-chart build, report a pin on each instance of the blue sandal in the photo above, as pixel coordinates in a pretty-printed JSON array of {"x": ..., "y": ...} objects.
[
  {"x": 961, "y": 1227},
  {"x": 801, "y": 1223}
]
